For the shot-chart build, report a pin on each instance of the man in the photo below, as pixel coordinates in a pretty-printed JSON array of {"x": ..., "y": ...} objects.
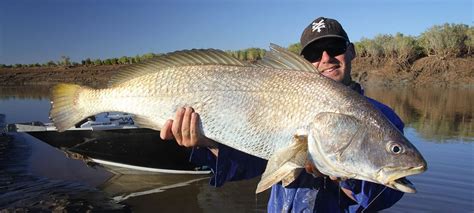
[{"x": 326, "y": 45}]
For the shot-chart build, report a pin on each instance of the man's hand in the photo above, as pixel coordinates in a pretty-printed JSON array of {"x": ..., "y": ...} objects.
[
  {"x": 311, "y": 169},
  {"x": 185, "y": 130}
]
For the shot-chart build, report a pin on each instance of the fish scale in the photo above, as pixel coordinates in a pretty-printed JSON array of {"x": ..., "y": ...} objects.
[{"x": 229, "y": 107}]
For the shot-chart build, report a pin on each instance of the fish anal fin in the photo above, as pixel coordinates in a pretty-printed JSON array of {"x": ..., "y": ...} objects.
[{"x": 285, "y": 164}]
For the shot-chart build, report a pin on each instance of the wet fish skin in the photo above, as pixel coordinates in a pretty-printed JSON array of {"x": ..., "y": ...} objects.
[{"x": 256, "y": 109}]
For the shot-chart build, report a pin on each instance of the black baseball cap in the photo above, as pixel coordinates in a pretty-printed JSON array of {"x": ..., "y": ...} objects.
[{"x": 321, "y": 28}]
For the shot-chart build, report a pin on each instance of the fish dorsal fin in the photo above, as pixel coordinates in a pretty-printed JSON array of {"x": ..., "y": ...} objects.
[
  {"x": 281, "y": 58},
  {"x": 178, "y": 58}
]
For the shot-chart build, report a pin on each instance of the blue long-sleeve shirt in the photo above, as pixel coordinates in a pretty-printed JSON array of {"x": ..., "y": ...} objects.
[{"x": 306, "y": 193}]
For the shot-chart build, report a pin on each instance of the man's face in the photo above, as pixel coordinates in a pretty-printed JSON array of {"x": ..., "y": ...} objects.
[{"x": 332, "y": 57}]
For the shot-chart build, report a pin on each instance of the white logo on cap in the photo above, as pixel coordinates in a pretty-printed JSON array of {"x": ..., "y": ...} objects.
[{"x": 318, "y": 26}]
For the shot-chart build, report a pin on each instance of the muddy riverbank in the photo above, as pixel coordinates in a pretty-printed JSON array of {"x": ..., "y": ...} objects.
[{"x": 427, "y": 71}]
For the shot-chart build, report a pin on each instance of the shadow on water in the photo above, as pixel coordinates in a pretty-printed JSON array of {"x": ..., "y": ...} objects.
[{"x": 22, "y": 191}]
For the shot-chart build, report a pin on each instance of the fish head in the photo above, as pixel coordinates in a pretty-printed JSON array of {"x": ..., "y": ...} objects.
[{"x": 343, "y": 146}]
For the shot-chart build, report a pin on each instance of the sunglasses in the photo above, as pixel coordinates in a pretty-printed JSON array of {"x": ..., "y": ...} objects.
[{"x": 333, "y": 48}]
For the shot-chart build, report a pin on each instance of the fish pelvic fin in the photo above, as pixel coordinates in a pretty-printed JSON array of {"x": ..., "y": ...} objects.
[
  {"x": 286, "y": 164},
  {"x": 64, "y": 110}
]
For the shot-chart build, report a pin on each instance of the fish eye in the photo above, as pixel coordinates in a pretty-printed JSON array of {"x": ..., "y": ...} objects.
[{"x": 395, "y": 148}]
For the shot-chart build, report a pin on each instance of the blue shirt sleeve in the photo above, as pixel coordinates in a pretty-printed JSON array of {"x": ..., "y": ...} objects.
[
  {"x": 230, "y": 165},
  {"x": 370, "y": 196}
]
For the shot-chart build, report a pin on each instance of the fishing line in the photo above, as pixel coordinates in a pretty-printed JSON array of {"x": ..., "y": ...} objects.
[{"x": 374, "y": 199}]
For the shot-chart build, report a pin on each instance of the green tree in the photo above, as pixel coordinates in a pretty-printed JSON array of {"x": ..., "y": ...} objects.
[
  {"x": 97, "y": 62},
  {"x": 296, "y": 48},
  {"x": 65, "y": 61},
  {"x": 146, "y": 56},
  {"x": 87, "y": 62},
  {"x": 242, "y": 55},
  {"x": 114, "y": 61},
  {"x": 50, "y": 64},
  {"x": 252, "y": 54},
  {"x": 137, "y": 59},
  {"x": 107, "y": 62},
  {"x": 261, "y": 53},
  {"x": 123, "y": 60}
]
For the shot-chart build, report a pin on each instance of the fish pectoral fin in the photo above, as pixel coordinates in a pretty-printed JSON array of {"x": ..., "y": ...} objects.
[
  {"x": 285, "y": 165},
  {"x": 291, "y": 176},
  {"x": 145, "y": 122},
  {"x": 286, "y": 173}
]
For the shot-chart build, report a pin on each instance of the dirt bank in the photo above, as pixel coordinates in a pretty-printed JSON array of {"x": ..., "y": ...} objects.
[
  {"x": 95, "y": 76},
  {"x": 428, "y": 71}
]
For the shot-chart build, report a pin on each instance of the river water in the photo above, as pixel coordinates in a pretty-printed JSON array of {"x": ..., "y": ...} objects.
[{"x": 36, "y": 176}]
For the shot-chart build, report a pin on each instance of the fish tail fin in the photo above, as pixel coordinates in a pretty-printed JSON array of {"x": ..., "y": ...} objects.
[{"x": 64, "y": 110}]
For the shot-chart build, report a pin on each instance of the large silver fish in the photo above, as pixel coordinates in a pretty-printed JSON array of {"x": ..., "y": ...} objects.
[{"x": 280, "y": 109}]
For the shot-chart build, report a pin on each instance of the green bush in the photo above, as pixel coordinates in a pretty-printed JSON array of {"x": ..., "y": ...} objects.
[
  {"x": 470, "y": 40},
  {"x": 372, "y": 47},
  {"x": 445, "y": 40},
  {"x": 360, "y": 48},
  {"x": 402, "y": 49}
]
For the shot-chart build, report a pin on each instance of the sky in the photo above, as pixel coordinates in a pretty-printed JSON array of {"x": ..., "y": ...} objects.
[{"x": 37, "y": 31}]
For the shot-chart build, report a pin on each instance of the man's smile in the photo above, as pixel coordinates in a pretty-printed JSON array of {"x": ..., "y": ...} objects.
[{"x": 330, "y": 69}]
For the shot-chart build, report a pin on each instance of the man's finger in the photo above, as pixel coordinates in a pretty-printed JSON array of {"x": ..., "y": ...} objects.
[
  {"x": 176, "y": 127},
  {"x": 185, "y": 126},
  {"x": 165, "y": 132},
  {"x": 194, "y": 132}
]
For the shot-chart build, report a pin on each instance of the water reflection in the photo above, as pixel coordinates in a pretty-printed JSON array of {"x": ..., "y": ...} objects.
[
  {"x": 25, "y": 92},
  {"x": 431, "y": 116},
  {"x": 438, "y": 114}
]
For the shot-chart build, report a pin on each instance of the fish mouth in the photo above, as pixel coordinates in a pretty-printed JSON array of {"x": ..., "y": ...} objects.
[{"x": 399, "y": 182}]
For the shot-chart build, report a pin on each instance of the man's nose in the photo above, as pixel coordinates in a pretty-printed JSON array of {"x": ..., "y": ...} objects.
[{"x": 325, "y": 57}]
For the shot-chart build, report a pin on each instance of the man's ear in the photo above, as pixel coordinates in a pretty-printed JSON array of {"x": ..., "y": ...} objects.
[{"x": 351, "y": 51}]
